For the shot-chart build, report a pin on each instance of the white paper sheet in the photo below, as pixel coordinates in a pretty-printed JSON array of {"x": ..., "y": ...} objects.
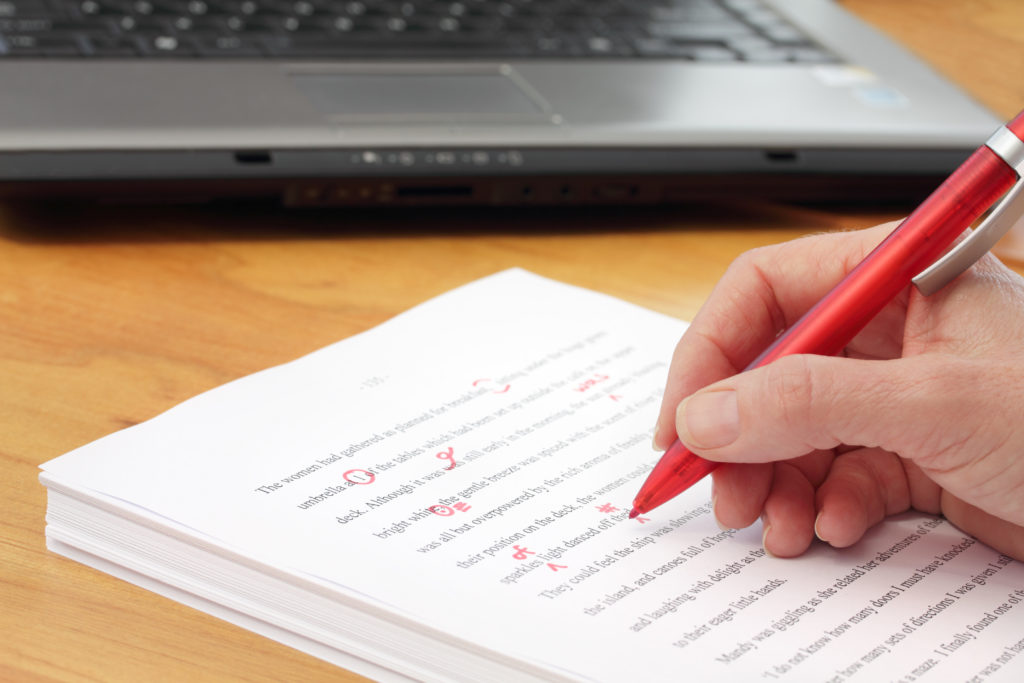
[{"x": 470, "y": 465}]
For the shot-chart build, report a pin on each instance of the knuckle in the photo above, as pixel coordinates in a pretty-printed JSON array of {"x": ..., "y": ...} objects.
[
  {"x": 798, "y": 397},
  {"x": 751, "y": 260},
  {"x": 790, "y": 382}
]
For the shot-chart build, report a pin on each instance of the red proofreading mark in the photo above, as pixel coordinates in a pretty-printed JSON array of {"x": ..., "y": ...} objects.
[
  {"x": 593, "y": 381},
  {"x": 449, "y": 455},
  {"x": 362, "y": 477},
  {"x": 504, "y": 389},
  {"x": 521, "y": 552},
  {"x": 447, "y": 510}
]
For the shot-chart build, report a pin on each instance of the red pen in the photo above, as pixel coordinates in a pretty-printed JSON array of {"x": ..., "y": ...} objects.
[{"x": 909, "y": 254}]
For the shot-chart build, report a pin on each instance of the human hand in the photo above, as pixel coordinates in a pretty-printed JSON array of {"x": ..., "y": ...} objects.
[{"x": 922, "y": 410}]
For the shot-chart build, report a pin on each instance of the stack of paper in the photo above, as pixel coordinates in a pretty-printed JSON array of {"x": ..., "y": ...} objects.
[{"x": 445, "y": 497}]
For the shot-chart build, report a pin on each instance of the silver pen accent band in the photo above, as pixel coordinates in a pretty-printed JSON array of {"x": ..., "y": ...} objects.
[{"x": 1000, "y": 220}]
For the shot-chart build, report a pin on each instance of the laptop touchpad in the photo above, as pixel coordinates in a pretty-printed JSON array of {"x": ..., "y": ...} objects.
[{"x": 423, "y": 95}]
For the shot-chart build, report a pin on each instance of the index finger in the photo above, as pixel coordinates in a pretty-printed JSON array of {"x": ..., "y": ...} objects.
[{"x": 762, "y": 293}]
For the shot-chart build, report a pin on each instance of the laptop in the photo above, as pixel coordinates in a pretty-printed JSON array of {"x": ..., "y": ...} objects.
[{"x": 319, "y": 103}]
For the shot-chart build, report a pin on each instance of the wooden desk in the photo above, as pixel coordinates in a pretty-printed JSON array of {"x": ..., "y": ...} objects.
[{"x": 108, "y": 317}]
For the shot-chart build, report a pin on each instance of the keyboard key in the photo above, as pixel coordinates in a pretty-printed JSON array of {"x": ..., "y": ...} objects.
[
  {"x": 683, "y": 31},
  {"x": 168, "y": 46},
  {"x": 306, "y": 46},
  {"x": 228, "y": 46},
  {"x": 705, "y": 30},
  {"x": 111, "y": 46},
  {"x": 35, "y": 45},
  {"x": 22, "y": 8}
]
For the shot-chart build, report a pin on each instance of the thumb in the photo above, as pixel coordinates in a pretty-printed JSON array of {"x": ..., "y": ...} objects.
[{"x": 802, "y": 403}]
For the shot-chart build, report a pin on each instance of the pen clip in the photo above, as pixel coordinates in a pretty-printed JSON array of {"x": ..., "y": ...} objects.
[{"x": 1003, "y": 216}]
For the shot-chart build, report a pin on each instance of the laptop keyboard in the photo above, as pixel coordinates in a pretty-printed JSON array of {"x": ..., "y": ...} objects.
[{"x": 698, "y": 30}]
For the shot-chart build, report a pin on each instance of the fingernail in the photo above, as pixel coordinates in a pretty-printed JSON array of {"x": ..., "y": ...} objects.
[
  {"x": 764, "y": 536},
  {"x": 654, "y": 439},
  {"x": 714, "y": 512},
  {"x": 711, "y": 419},
  {"x": 816, "y": 532}
]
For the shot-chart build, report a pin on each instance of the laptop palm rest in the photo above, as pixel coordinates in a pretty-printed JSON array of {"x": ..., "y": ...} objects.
[{"x": 420, "y": 95}]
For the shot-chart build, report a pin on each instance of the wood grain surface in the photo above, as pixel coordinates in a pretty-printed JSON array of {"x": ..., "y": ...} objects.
[{"x": 109, "y": 316}]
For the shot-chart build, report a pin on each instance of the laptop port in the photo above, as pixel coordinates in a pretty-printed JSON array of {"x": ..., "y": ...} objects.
[
  {"x": 781, "y": 156},
  {"x": 253, "y": 156}
]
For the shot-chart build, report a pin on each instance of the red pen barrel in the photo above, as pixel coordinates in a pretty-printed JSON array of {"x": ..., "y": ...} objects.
[
  {"x": 1016, "y": 126},
  {"x": 678, "y": 470},
  {"x": 842, "y": 313},
  {"x": 914, "y": 245}
]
